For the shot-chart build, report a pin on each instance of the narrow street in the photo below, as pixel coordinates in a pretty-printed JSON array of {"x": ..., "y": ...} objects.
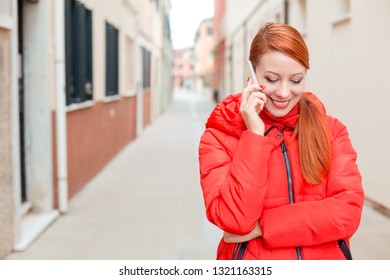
[{"x": 147, "y": 202}]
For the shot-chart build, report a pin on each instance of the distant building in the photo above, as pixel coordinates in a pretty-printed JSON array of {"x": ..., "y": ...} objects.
[
  {"x": 204, "y": 55},
  {"x": 78, "y": 82},
  {"x": 184, "y": 69}
]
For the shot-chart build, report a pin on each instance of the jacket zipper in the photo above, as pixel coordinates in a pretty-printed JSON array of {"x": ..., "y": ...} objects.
[
  {"x": 290, "y": 186},
  {"x": 239, "y": 250},
  {"x": 345, "y": 249}
]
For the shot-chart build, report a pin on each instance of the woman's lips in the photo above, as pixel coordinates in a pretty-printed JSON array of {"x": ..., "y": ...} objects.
[{"x": 280, "y": 104}]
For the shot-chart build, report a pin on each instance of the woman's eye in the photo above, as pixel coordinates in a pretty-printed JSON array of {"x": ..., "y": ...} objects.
[
  {"x": 271, "y": 80},
  {"x": 296, "y": 81}
]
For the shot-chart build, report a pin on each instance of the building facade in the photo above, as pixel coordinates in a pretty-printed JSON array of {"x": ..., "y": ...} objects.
[
  {"x": 219, "y": 33},
  {"x": 183, "y": 74},
  {"x": 78, "y": 83},
  {"x": 348, "y": 43},
  {"x": 204, "y": 55}
]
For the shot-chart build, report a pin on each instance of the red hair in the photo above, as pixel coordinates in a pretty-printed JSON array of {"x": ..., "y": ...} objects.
[{"x": 312, "y": 129}]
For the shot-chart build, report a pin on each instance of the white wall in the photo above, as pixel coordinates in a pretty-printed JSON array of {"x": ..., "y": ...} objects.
[{"x": 349, "y": 71}]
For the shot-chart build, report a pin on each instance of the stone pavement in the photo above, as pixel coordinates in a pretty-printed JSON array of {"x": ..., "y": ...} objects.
[{"x": 147, "y": 202}]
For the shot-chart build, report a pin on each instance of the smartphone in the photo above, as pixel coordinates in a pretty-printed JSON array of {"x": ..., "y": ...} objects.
[{"x": 253, "y": 74}]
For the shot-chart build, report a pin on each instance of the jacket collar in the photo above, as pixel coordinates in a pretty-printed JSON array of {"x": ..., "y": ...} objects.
[{"x": 290, "y": 119}]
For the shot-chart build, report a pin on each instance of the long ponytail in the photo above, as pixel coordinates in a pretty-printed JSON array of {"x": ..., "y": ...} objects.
[{"x": 313, "y": 141}]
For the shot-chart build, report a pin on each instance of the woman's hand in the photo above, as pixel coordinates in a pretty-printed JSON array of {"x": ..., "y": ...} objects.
[
  {"x": 252, "y": 102},
  {"x": 234, "y": 238}
]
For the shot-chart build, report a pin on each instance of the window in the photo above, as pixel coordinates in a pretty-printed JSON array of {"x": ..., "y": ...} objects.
[
  {"x": 111, "y": 60},
  {"x": 146, "y": 68},
  {"x": 211, "y": 55},
  {"x": 78, "y": 52},
  {"x": 209, "y": 31}
]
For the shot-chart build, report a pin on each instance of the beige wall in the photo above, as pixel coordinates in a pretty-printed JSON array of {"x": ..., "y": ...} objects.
[
  {"x": 349, "y": 71},
  {"x": 349, "y": 55},
  {"x": 6, "y": 190}
]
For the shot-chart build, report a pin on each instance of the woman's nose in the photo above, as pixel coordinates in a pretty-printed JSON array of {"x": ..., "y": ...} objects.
[{"x": 283, "y": 92}]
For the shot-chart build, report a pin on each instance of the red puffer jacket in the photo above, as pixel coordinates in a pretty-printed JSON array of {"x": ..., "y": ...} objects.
[{"x": 247, "y": 178}]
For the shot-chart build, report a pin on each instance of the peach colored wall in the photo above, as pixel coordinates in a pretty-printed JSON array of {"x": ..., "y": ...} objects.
[
  {"x": 147, "y": 108},
  {"x": 203, "y": 49},
  {"x": 95, "y": 135}
]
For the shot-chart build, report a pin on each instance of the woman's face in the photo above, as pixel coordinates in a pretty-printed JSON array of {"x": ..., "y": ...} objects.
[{"x": 284, "y": 81}]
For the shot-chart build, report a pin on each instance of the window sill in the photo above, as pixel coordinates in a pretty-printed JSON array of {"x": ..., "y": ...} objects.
[
  {"x": 130, "y": 93},
  {"x": 112, "y": 98},
  {"x": 79, "y": 106},
  {"x": 342, "y": 19}
]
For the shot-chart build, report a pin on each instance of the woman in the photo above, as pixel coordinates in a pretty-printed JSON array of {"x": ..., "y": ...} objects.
[{"x": 278, "y": 174}]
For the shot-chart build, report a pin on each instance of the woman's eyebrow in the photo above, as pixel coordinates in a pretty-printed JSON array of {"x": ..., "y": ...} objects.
[
  {"x": 272, "y": 72},
  {"x": 277, "y": 74}
]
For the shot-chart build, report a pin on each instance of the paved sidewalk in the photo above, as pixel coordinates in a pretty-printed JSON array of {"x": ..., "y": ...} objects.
[{"x": 147, "y": 202}]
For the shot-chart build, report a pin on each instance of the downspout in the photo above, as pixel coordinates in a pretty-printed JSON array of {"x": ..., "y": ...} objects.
[
  {"x": 246, "y": 50},
  {"x": 16, "y": 71},
  {"x": 286, "y": 11},
  {"x": 62, "y": 170}
]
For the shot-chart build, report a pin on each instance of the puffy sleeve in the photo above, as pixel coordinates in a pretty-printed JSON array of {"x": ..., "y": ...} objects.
[
  {"x": 333, "y": 218},
  {"x": 234, "y": 182}
]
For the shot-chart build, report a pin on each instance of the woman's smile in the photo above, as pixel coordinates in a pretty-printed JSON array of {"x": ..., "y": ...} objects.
[{"x": 280, "y": 104}]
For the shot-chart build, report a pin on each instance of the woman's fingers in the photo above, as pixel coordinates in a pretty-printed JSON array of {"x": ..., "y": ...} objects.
[
  {"x": 249, "y": 91},
  {"x": 245, "y": 93},
  {"x": 249, "y": 94},
  {"x": 252, "y": 102},
  {"x": 255, "y": 102}
]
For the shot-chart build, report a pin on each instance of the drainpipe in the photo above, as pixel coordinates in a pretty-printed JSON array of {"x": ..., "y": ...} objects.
[
  {"x": 286, "y": 10},
  {"x": 62, "y": 170}
]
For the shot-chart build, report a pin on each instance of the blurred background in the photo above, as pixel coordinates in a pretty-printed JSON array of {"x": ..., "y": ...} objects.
[{"x": 102, "y": 104}]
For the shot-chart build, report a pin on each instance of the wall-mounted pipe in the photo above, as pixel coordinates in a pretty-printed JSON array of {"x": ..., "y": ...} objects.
[{"x": 62, "y": 170}]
